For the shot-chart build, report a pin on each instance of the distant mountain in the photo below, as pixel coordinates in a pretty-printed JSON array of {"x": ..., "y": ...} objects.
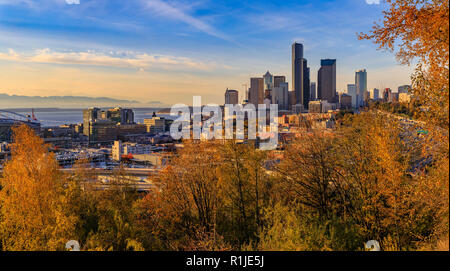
[{"x": 20, "y": 101}]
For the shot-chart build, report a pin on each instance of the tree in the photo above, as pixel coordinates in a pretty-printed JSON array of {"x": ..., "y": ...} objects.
[
  {"x": 33, "y": 205},
  {"x": 419, "y": 29}
]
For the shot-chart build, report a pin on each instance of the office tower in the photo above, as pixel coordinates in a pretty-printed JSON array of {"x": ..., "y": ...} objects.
[
  {"x": 306, "y": 95},
  {"x": 297, "y": 72},
  {"x": 118, "y": 114},
  {"x": 268, "y": 81},
  {"x": 361, "y": 86},
  {"x": 386, "y": 94},
  {"x": 404, "y": 89},
  {"x": 374, "y": 94},
  {"x": 291, "y": 99},
  {"x": 326, "y": 80},
  {"x": 280, "y": 96},
  {"x": 231, "y": 96},
  {"x": 155, "y": 125},
  {"x": 351, "y": 90},
  {"x": 300, "y": 76},
  {"x": 89, "y": 115},
  {"x": 277, "y": 79},
  {"x": 345, "y": 101},
  {"x": 256, "y": 91},
  {"x": 268, "y": 85},
  {"x": 313, "y": 93}
]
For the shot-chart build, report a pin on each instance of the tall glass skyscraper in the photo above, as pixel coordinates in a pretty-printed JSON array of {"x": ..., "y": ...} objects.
[
  {"x": 361, "y": 86},
  {"x": 326, "y": 81},
  {"x": 300, "y": 76}
]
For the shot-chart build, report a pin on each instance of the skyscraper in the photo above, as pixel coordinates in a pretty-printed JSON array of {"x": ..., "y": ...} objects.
[
  {"x": 280, "y": 96},
  {"x": 268, "y": 85},
  {"x": 300, "y": 75},
  {"x": 351, "y": 90},
  {"x": 89, "y": 115},
  {"x": 256, "y": 91},
  {"x": 361, "y": 86},
  {"x": 231, "y": 96},
  {"x": 326, "y": 80},
  {"x": 306, "y": 95},
  {"x": 374, "y": 94},
  {"x": 313, "y": 93},
  {"x": 277, "y": 79}
]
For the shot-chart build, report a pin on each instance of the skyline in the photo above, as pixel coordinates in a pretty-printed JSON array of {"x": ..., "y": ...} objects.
[{"x": 170, "y": 51}]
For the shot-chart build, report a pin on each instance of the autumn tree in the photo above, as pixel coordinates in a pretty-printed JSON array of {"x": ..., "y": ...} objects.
[
  {"x": 33, "y": 203},
  {"x": 418, "y": 30}
]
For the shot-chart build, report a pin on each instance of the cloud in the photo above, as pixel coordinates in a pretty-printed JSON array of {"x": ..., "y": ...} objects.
[
  {"x": 36, "y": 3},
  {"x": 371, "y": 2},
  {"x": 111, "y": 59},
  {"x": 174, "y": 13}
]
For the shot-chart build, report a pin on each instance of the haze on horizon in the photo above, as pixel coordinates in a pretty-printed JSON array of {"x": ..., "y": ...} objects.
[{"x": 169, "y": 51}]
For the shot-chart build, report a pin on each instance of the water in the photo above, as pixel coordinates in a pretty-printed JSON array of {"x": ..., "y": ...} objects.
[{"x": 56, "y": 116}]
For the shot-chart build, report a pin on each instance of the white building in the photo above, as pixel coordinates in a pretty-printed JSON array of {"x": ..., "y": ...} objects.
[{"x": 119, "y": 149}]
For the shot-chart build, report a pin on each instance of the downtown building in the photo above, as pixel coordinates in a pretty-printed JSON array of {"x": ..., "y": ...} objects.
[
  {"x": 231, "y": 96},
  {"x": 361, "y": 86},
  {"x": 103, "y": 126},
  {"x": 256, "y": 91},
  {"x": 326, "y": 81},
  {"x": 351, "y": 90},
  {"x": 300, "y": 77}
]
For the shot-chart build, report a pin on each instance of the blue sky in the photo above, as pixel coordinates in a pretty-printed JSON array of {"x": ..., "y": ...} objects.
[{"x": 171, "y": 50}]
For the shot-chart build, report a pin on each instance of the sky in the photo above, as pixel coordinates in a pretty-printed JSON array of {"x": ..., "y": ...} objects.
[{"x": 171, "y": 50}]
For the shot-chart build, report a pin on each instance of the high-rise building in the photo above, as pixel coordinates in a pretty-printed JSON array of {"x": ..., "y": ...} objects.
[
  {"x": 306, "y": 85},
  {"x": 361, "y": 86},
  {"x": 231, "y": 96},
  {"x": 280, "y": 96},
  {"x": 268, "y": 85},
  {"x": 345, "y": 101},
  {"x": 375, "y": 94},
  {"x": 300, "y": 76},
  {"x": 268, "y": 80},
  {"x": 118, "y": 114},
  {"x": 312, "y": 92},
  {"x": 89, "y": 115},
  {"x": 351, "y": 90},
  {"x": 155, "y": 125},
  {"x": 256, "y": 91},
  {"x": 103, "y": 125},
  {"x": 326, "y": 81},
  {"x": 386, "y": 94},
  {"x": 277, "y": 79},
  {"x": 291, "y": 99}
]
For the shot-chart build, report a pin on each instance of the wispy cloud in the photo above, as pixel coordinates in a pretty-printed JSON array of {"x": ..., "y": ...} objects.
[
  {"x": 169, "y": 11},
  {"x": 112, "y": 59},
  {"x": 371, "y": 2},
  {"x": 37, "y": 3}
]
